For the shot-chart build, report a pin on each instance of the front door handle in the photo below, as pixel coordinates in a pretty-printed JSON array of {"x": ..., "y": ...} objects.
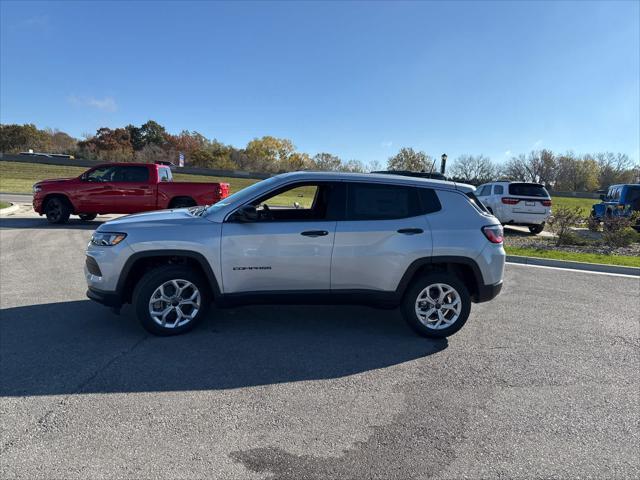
[
  {"x": 315, "y": 233},
  {"x": 410, "y": 231}
]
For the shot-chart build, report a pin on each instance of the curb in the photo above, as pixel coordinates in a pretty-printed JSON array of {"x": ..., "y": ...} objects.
[
  {"x": 590, "y": 267},
  {"x": 6, "y": 211}
]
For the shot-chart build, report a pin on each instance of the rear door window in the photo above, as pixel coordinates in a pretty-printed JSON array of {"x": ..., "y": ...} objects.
[
  {"x": 131, "y": 174},
  {"x": 498, "y": 190},
  {"x": 367, "y": 201},
  {"x": 528, "y": 190}
]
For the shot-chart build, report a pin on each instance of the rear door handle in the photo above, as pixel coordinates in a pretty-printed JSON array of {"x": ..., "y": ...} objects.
[
  {"x": 410, "y": 231},
  {"x": 315, "y": 233}
]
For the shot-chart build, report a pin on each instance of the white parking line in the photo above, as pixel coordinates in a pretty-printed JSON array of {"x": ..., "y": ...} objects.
[{"x": 575, "y": 270}]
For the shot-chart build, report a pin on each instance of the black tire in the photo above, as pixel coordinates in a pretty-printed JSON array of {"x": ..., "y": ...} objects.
[
  {"x": 57, "y": 210},
  {"x": 87, "y": 217},
  {"x": 151, "y": 281},
  {"x": 536, "y": 229},
  {"x": 182, "y": 203},
  {"x": 416, "y": 289}
]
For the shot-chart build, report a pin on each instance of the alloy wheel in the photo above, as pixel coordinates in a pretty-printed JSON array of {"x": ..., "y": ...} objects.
[
  {"x": 438, "y": 306},
  {"x": 174, "y": 303}
]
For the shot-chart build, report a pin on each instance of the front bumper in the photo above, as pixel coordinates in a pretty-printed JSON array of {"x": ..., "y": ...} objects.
[
  {"x": 37, "y": 203},
  {"x": 109, "y": 299}
]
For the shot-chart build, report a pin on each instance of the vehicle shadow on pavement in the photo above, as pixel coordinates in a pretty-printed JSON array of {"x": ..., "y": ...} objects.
[
  {"x": 34, "y": 222},
  {"x": 81, "y": 347}
]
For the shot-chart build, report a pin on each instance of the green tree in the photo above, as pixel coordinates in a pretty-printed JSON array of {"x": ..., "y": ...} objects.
[
  {"x": 269, "y": 154},
  {"x": 327, "y": 162},
  {"x": 16, "y": 138},
  {"x": 409, "y": 159},
  {"x": 153, "y": 132}
]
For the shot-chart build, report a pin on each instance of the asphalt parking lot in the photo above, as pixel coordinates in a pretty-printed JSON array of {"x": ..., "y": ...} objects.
[{"x": 542, "y": 382}]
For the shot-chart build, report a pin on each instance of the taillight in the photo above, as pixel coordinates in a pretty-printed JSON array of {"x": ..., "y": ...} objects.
[
  {"x": 494, "y": 233},
  {"x": 219, "y": 191},
  {"x": 510, "y": 201},
  {"x": 546, "y": 203}
]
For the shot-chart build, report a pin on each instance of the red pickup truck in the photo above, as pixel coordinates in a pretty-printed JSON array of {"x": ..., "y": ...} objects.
[{"x": 120, "y": 188}]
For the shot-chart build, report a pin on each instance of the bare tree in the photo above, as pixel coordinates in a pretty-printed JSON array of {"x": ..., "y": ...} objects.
[
  {"x": 474, "y": 169},
  {"x": 538, "y": 166}
]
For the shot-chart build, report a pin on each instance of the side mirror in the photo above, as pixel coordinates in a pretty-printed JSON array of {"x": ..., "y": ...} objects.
[
  {"x": 602, "y": 196},
  {"x": 245, "y": 214}
]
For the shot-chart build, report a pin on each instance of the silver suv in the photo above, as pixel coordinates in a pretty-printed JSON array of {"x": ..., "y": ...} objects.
[{"x": 428, "y": 246}]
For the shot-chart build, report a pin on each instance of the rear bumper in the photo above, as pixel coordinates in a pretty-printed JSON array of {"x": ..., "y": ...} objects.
[
  {"x": 488, "y": 292},
  {"x": 109, "y": 299}
]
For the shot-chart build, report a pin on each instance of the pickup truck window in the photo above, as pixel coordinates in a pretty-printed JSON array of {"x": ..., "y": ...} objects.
[
  {"x": 164, "y": 174},
  {"x": 100, "y": 174},
  {"x": 130, "y": 174}
]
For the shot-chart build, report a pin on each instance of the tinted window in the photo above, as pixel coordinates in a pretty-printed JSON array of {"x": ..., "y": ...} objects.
[
  {"x": 381, "y": 202},
  {"x": 130, "y": 174},
  {"x": 429, "y": 201},
  {"x": 528, "y": 190},
  {"x": 498, "y": 190}
]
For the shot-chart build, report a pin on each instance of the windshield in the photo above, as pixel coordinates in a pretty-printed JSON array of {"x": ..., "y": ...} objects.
[{"x": 242, "y": 195}]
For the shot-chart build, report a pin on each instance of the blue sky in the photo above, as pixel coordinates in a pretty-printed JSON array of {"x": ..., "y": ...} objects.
[{"x": 356, "y": 79}]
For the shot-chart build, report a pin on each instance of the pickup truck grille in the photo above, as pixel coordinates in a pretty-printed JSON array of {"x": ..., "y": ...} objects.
[{"x": 92, "y": 267}]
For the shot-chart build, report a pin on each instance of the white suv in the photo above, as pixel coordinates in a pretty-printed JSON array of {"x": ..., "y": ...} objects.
[
  {"x": 517, "y": 203},
  {"x": 427, "y": 246}
]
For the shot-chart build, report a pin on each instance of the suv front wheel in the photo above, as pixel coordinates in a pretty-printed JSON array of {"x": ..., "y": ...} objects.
[
  {"x": 171, "y": 300},
  {"x": 437, "y": 305}
]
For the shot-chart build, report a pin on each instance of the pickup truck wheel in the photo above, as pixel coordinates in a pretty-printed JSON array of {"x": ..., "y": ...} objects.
[
  {"x": 536, "y": 229},
  {"x": 87, "y": 217},
  {"x": 57, "y": 210},
  {"x": 437, "y": 305},
  {"x": 171, "y": 300}
]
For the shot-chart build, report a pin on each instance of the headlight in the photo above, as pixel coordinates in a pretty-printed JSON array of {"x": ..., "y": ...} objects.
[
  {"x": 36, "y": 188},
  {"x": 107, "y": 239}
]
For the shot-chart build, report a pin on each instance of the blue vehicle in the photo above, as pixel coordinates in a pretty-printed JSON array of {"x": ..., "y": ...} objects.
[{"x": 620, "y": 200}]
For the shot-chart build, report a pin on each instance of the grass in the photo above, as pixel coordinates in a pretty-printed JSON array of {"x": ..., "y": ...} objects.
[
  {"x": 585, "y": 204},
  {"x": 4, "y": 204},
  {"x": 16, "y": 177},
  {"x": 623, "y": 260}
]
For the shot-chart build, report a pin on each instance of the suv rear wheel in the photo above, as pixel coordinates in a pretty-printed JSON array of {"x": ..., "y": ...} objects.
[
  {"x": 437, "y": 305},
  {"x": 536, "y": 229},
  {"x": 171, "y": 300}
]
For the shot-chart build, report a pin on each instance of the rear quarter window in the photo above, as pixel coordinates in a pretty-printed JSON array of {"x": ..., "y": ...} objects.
[{"x": 528, "y": 190}]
